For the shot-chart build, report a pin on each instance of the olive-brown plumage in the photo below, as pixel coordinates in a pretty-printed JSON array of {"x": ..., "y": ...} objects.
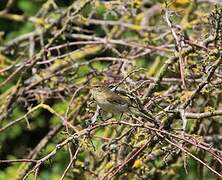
[{"x": 109, "y": 101}]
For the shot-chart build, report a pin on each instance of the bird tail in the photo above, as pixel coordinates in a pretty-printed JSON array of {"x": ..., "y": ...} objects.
[{"x": 144, "y": 114}]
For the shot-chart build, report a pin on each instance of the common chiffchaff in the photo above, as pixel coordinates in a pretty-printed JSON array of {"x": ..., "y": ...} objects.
[{"x": 109, "y": 101}]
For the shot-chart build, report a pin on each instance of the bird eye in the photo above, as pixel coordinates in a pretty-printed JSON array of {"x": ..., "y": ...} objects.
[{"x": 97, "y": 88}]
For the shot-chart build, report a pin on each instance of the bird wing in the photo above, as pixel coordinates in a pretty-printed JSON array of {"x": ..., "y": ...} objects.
[{"x": 117, "y": 99}]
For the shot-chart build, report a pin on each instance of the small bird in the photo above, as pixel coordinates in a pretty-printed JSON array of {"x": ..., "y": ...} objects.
[{"x": 111, "y": 102}]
